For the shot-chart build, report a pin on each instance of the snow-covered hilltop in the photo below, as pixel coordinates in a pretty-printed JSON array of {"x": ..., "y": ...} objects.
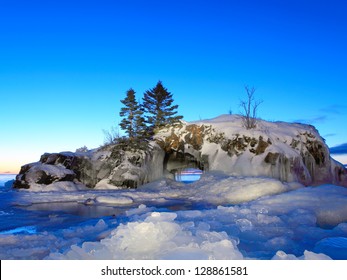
[{"x": 285, "y": 151}]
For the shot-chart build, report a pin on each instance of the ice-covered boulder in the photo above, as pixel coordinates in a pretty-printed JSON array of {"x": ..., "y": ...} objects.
[
  {"x": 108, "y": 167},
  {"x": 41, "y": 173},
  {"x": 290, "y": 152}
]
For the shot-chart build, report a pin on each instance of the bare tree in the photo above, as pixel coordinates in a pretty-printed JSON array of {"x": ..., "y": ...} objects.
[
  {"x": 249, "y": 109},
  {"x": 111, "y": 136}
]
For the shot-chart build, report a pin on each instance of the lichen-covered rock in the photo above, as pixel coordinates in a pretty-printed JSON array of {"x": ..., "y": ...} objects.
[{"x": 286, "y": 151}]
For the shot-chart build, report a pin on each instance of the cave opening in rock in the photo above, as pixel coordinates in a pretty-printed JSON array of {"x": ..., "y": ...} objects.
[
  {"x": 188, "y": 175},
  {"x": 183, "y": 167}
]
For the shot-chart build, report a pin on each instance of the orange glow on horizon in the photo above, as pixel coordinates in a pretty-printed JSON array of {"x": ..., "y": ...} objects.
[
  {"x": 340, "y": 158},
  {"x": 10, "y": 167}
]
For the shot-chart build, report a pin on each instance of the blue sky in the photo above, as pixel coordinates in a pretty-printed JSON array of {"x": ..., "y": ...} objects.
[{"x": 64, "y": 65}]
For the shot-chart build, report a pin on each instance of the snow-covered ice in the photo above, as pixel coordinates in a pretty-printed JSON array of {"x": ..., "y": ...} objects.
[
  {"x": 5, "y": 178},
  {"x": 217, "y": 217}
]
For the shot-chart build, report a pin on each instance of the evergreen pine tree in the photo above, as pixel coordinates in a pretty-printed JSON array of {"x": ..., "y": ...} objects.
[
  {"x": 133, "y": 122},
  {"x": 157, "y": 104},
  {"x": 140, "y": 125}
]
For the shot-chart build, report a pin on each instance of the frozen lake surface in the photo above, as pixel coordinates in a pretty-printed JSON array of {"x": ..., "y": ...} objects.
[
  {"x": 5, "y": 178},
  {"x": 217, "y": 217}
]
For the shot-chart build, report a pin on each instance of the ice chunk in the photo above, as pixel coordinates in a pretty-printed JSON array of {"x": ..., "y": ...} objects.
[
  {"x": 244, "y": 224},
  {"x": 308, "y": 255},
  {"x": 116, "y": 200},
  {"x": 142, "y": 208},
  {"x": 238, "y": 189},
  {"x": 280, "y": 255},
  {"x": 158, "y": 236},
  {"x": 221, "y": 250},
  {"x": 104, "y": 184},
  {"x": 186, "y": 253}
]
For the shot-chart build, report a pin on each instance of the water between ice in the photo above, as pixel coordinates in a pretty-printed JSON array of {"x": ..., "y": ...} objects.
[{"x": 42, "y": 217}]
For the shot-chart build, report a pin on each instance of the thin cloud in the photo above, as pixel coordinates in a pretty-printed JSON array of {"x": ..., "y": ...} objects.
[
  {"x": 339, "y": 150},
  {"x": 335, "y": 109},
  {"x": 329, "y": 135},
  {"x": 328, "y": 111},
  {"x": 316, "y": 120}
]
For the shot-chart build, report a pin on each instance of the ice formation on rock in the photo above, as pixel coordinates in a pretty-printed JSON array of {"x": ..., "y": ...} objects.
[{"x": 290, "y": 152}]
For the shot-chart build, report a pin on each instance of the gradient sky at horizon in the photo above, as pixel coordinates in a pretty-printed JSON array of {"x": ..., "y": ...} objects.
[{"x": 65, "y": 65}]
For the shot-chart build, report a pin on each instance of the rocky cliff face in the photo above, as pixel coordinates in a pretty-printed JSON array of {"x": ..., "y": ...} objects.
[{"x": 288, "y": 152}]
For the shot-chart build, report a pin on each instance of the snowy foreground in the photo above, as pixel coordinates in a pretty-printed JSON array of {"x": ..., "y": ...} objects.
[{"x": 217, "y": 217}]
